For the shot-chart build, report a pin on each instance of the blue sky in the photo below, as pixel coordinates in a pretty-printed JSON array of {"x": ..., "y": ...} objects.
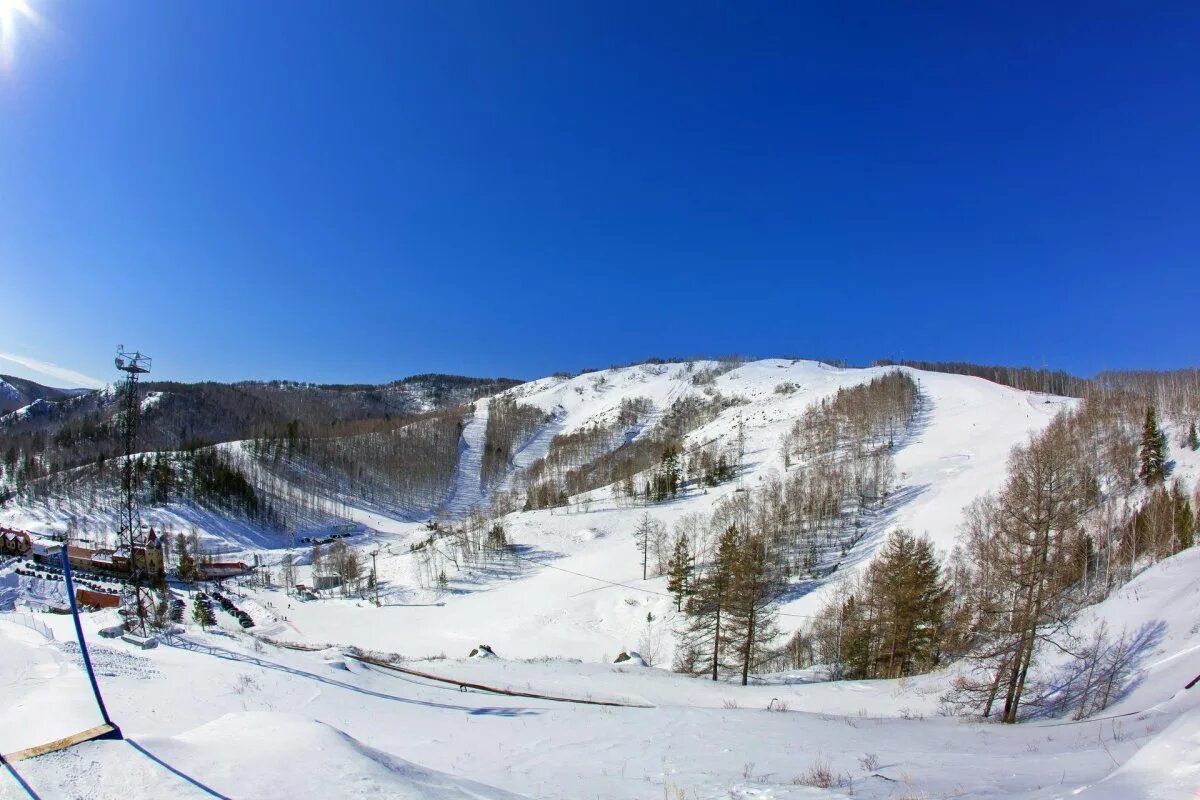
[{"x": 360, "y": 191}]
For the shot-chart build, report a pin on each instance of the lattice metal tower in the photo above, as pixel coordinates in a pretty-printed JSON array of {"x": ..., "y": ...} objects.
[{"x": 137, "y": 602}]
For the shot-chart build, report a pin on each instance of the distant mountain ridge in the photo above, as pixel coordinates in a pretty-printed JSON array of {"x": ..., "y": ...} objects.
[
  {"x": 71, "y": 427},
  {"x": 18, "y": 392}
]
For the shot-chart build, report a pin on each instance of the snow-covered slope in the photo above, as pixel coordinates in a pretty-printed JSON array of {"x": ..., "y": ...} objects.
[
  {"x": 18, "y": 392},
  {"x": 468, "y": 491},
  {"x": 245, "y": 718},
  {"x": 558, "y": 598}
]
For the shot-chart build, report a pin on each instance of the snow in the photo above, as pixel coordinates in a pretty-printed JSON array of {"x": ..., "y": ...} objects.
[
  {"x": 151, "y": 400},
  {"x": 270, "y": 742},
  {"x": 44, "y": 696},
  {"x": 249, "y": 719},
  {"x": 1166, "y": 767},
  {"x": 468, "y": 490},
  {"x": 24, "y": 411}
]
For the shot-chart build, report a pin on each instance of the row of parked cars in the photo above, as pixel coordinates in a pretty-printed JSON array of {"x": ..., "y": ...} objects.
[
  {"x": 31, "y": 569},
  {"x": 229, "y": 607}
]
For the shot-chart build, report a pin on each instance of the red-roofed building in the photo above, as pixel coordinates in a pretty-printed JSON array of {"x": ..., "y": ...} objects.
[
  {"x": 117, "y": 561},
  {"x": 14, "y": 542},
  {"x": 86, "y": 597}
]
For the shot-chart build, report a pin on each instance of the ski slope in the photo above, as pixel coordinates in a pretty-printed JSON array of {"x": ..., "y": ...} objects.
[
  {"x": 468, "y": 491},
  {"x": 232, "y": 713},
  {"x": 539, "y": 605}
]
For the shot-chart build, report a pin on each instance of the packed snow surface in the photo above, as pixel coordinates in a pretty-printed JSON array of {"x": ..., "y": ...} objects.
[{"x": 251, "y": 720}]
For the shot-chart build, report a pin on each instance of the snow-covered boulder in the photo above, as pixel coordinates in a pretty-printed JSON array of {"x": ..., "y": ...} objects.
[{"x": 483, "y": 651}]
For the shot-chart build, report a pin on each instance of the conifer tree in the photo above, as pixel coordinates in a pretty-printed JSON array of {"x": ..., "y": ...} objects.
[
  {"x": 703, "y": 639},
  {"x": 669, "y": 476},
  {"x": 679, "y": 571},
  {"x": 905, "y": 586},
  {"x": 186, "y": 568},
  {"x": 750, "y": 626},
  {"x": 1153, "y": 454},
  {"x": 201, "y": 614},
  {"x": 1192, "y": 441},
  {"x": 162, "y": 610}
]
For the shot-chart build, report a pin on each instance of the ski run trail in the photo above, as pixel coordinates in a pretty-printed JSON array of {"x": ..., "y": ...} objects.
[
  {"x": 468, "y": 490},
  {"x": 218, "y": 712}
]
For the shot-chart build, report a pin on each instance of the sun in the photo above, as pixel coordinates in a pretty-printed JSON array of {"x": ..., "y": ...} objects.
[{"x": 12, "y": 13}]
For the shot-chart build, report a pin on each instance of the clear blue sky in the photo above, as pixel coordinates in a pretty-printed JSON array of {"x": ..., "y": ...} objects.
[{"x": 359, "y": 191}]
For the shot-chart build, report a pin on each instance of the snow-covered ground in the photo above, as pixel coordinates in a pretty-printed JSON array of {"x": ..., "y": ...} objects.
[
  {"x": 467, "y": 491},
  {"x": 248, "y": 719}
]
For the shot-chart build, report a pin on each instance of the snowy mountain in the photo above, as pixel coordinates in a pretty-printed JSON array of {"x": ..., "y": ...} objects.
[
  {"x": 558, "y": 590},
  {"x": 18, "y": 392}
]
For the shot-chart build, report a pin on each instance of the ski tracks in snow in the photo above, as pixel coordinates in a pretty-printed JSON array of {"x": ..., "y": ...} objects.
[{"x": 468, "y": 491}]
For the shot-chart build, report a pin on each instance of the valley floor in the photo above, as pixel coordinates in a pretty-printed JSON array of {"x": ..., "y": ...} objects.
[{"x": 216, "y": 713}]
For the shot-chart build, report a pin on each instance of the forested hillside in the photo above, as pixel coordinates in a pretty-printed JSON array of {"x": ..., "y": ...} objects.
[
  {"x": 73, "y": 429},
  {"x": 19, "y": 392}
]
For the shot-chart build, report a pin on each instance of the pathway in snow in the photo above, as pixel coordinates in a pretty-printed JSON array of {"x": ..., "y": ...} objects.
[
  {"x": 539, "y": 444},
  {"x": 468, "y": 490}
]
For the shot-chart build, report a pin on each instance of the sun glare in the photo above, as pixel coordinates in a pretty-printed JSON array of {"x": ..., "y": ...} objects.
[{"x": 12, "y": 14}]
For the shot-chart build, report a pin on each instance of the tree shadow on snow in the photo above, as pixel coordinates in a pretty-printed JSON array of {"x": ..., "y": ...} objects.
[
  {"x": 874, "y": 527},
  {"x": 520, "y": 561},
  {"x": 1104, "y": 676}
]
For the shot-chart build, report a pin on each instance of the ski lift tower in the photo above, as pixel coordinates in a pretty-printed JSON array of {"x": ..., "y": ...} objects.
[{"x": 137, "y": 601}]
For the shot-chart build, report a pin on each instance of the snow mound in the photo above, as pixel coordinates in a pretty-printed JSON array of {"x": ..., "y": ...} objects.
[
  {"x": 483, "y": 651},
  {"x": 270, "y": 755}
]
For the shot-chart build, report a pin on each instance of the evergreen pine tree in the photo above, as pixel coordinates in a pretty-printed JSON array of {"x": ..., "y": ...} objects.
[
  {"x": 679, "y": 571},
  {"x": 1153, "y": 455},
  {"x": 162, "y": 610},
  {"x": 895, "y": 625},
  {"x": 750, "y": 622},
  {"x": 1192, "y": 441},
  {"x": 703, "y": 639},
  {"x": 859, "y": 632},
  {"x": 201, "y": 614},
  {"x": 672, "y": 471},
  {"x": 186, "y": 568}
]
